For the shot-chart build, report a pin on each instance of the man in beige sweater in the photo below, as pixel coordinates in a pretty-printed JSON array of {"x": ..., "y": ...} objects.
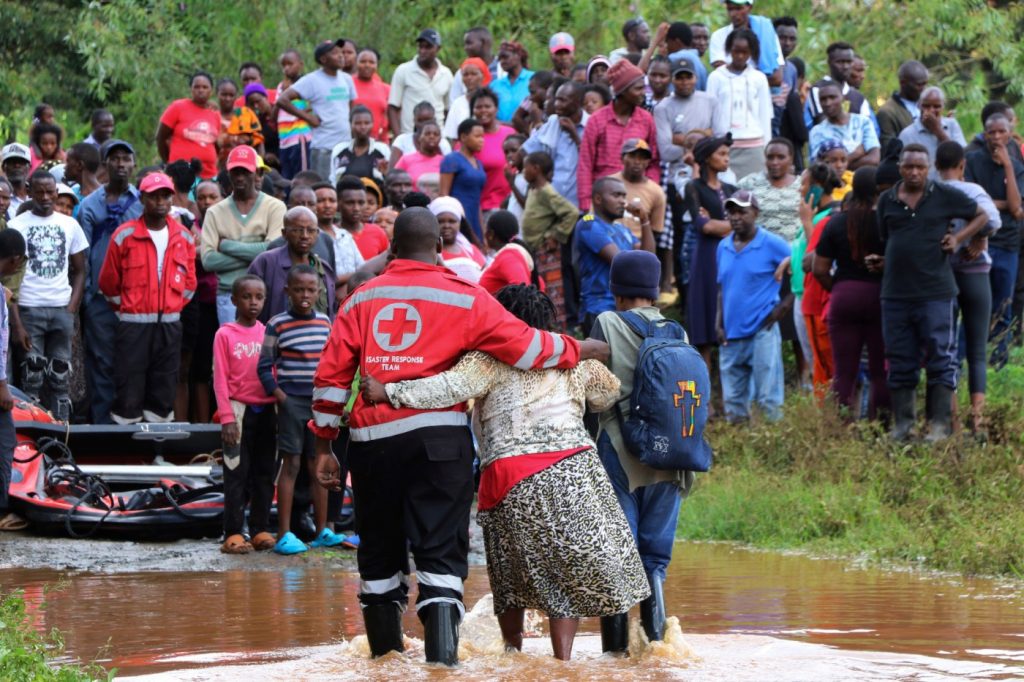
[{"x": 239, "y": 228}]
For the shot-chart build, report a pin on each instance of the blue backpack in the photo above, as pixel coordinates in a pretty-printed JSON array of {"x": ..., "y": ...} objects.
[{"x": 669, "y": 404}]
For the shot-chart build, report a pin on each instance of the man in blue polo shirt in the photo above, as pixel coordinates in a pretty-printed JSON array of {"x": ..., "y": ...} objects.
[
  {"x": 598, "y": 237},
  {"x": 751, "y": 264}
]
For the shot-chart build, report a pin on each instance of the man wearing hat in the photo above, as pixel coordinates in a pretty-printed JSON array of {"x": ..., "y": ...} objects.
[
  {"x": 102, "y": 212},
  {"x": 611, "y": 125},
  {"x": 49, "y": 297},
  {"x": 15, "y": 160},
  {"x": 148, "y": 277},
  {"x": 751, "y": 263},
  {"x": 649, "y": 498},
  {"x": 229, "y": 241},
  {"x": 562, "y": 47},
  {"x": 329, "y": 90},
  {"x": 638, "y": 38},
  {"x": 645, "y": 199},
  {"x": 423, "y": 79},
  {"x": 679, "y": 42}
]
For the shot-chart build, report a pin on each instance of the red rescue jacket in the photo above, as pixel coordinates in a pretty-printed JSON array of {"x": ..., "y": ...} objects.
[
  {"x": 415, "y": 320},
  {"x": 128, "y": 278}
]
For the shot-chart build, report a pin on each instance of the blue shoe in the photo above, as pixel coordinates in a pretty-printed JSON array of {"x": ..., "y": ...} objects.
[
  {"x": 327, "y": 538},
  {"x": 351, "y": 542},
  {"x": 289, "y": 544}
]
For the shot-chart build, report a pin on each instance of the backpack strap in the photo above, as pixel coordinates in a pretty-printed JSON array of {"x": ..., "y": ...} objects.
[{"x": 636, "y": 324}]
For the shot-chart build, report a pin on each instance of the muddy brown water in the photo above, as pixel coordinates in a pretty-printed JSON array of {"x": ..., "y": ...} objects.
[{"x": 743, "y": 614}]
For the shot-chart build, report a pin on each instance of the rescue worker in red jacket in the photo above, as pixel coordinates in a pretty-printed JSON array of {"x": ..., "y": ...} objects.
[
  {"x": 412, "y": 471},
  {"x": 148, "y": 277}
]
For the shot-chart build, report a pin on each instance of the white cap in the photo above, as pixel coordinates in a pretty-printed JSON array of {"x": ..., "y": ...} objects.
[{"x": 15, "y": 151}]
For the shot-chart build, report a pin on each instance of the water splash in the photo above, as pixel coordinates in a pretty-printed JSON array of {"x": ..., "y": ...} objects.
[{"x": 673, "y": 646}]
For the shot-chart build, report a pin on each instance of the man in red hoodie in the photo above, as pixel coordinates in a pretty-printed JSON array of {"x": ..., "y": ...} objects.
[
  {"x": 412, "y": 472},
  {"x": 148, "y": 276}
]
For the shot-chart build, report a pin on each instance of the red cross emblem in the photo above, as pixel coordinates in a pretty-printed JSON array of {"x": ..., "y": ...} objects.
[{"x": 396, "y": 327}]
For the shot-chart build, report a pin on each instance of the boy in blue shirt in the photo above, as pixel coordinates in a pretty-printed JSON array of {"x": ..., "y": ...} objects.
[
  {"x": 598, "y": 237},
  {"x": 751, "y": 264}
]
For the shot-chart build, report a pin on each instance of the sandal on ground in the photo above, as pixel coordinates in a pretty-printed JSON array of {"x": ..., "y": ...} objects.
[
  {"x": 263, "y": 541},
  {"x": 13, "y": 522},
  {"x": 351, "y": 542},
  {"x": 327, "y": 538},
  {"x": 289, "y": 544},
  {"x": 236, "y": 544}
]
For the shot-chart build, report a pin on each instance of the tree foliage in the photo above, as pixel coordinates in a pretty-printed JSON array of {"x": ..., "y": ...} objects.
[{"x": 135, "y": 56}]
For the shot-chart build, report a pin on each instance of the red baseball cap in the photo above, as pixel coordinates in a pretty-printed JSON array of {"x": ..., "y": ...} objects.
[
  {"x": 156, "y": 181},
  {"x": 242, "y": 156}
]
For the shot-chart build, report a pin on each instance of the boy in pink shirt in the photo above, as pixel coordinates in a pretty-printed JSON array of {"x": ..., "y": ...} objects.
[{"x": 248, "y": 421}]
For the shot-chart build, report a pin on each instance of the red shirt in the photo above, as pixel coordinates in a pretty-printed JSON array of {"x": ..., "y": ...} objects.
[
  {"x": 815, "y": 298},
  {"x": 601, "y": 148},
  {"x": 372, "y": 240},
  {"x": 373, "y": 94},
  {"x": 194, "y": 134},
  {"x": 510, "y": 266}
]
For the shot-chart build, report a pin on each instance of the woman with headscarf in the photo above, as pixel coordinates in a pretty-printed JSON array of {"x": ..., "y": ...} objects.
[
  {"x": 705, "y": 200},
  {"x": 855, "y": 305},
  {"x": 513, "y": 87},
  {"x": 475, "y": 75},
  {"x": 457, "y": 251},
  {"x": 258, "y": 99},
  {"x": 597, "y": 67}
]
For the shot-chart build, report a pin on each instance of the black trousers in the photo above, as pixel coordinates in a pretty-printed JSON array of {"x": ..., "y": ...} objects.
[
  {"x": 413, "y": 491},
  {"x": 252, "y": 476},
  {"x": 147, "y": 357}
]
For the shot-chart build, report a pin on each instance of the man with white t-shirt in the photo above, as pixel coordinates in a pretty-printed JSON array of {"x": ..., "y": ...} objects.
[
  {"x": 49, "y": 296},
  {"x": 329, "y": 91}
]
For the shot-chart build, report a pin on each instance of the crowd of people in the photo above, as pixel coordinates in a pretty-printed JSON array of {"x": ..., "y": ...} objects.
[{"x": 416, "y": 238}]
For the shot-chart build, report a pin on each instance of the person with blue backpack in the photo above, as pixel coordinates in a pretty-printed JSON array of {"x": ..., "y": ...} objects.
[{"x": 652, "y": 440}]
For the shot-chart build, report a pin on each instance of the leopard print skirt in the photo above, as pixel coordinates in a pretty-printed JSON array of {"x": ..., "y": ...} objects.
[{"x": 560, "y": 543}]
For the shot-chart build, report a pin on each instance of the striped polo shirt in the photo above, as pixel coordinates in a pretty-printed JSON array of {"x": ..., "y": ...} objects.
[{"x": 292, "y": 346}]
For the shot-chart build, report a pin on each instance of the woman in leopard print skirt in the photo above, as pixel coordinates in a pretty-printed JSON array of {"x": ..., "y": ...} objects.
[{"x": 556, "y": 539}]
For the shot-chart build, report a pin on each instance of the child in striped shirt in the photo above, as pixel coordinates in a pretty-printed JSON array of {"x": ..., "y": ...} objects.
[{"x": 292, "y": 347}]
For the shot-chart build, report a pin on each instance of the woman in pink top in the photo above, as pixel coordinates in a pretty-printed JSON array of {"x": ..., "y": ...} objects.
[
  {"x": 484, "y": 106},
  {"x": 427, "y": 157}
]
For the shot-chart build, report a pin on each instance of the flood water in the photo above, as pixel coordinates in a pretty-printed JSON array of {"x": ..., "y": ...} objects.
[{"x": 743, "y": 614}]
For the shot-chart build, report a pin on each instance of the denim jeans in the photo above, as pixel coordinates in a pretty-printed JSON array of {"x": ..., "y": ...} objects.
[
  {"x": 8, "y": 441},
  {"x": 225, "y": 309},
  {"x": 1003, "y": 278},
  {"x": 751, "y": 370},
  {"x": 48, "y": 363},
  {"x": 651, "y": 510}
]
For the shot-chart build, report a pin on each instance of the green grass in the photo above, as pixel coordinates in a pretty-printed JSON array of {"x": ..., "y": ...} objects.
[
  {"x": 812, "y": 482},
  {"x": 28, "y": 656}
]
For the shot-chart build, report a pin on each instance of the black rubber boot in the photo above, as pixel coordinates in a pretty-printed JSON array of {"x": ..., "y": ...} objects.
[
  {"x": 441, "y": 633},
  {"x": 939, "y": 400},
  {"x": 615, "y": 632},
  {"x": 383, "y": 628},
  {"x": 652, "y": 611},
  {"x": 903, "y": 413}
]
